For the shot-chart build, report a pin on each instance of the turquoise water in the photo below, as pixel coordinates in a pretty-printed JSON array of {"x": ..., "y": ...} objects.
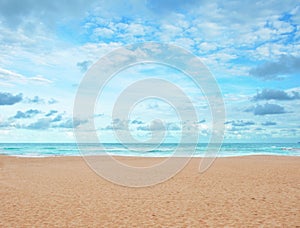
[{"x": 145, "y": 150}]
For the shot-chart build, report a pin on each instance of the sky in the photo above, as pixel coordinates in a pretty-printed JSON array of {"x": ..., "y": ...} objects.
[{"x": 252, "y": 48}]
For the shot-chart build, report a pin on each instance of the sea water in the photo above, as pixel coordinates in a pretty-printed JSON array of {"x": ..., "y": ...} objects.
[{"x": 145, "y": 150}]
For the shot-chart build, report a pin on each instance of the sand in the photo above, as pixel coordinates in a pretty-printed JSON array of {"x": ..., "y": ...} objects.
[{"x": 64, "y": 192}]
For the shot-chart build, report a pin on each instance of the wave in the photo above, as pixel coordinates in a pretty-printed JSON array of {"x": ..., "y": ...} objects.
[
  {"x": 49, "y": 148},
  {"x": 11, "y": 148},
  {"x": 147, "y": 150},
  {"x": 290, "y": 148}
]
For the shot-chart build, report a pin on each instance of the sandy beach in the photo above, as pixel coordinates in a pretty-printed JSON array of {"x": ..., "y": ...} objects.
[{"x": 64, "y": 192}]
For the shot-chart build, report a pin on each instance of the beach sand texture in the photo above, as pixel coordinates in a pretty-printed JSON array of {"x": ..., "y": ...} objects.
[{"x": 235, "y": 192}]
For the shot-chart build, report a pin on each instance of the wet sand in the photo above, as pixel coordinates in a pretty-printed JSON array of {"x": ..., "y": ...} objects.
[{"x": 65, "y": 192}]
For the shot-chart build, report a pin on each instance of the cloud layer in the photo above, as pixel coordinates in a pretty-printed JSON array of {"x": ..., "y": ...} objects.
[
  {"x": 28, "y": 114},
  {"x": 286, "y": 65},
  {"x": 240, "y": 123},
  {"x": 266, "y": 109},
  {"x": 273, "y": 94},
  {"x": 10, "y": 99}
]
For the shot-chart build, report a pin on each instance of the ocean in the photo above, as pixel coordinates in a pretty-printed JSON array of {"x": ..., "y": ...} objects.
[{"x": 145, "y": 150}]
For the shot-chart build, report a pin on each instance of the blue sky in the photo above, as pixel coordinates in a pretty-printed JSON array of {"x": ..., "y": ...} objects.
[{"x": 251, "y": 47}]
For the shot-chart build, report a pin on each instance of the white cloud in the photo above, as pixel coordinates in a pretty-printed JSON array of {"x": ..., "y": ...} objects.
[
  {"x": 185, "y": 43},
  {"x": 103, "y": 32},
  {"x": 136, "y": 29},
  {"x": 169, "y": 31},
  {"x": 40, "y": 79},
  {"x": 121, "y": 26},
  {"x": 207, "y": 46},
  {"x": 282, "y": 27},
  {"x": 9, "y": 77}
]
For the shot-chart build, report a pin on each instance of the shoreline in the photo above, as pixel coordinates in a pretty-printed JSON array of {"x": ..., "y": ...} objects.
[
  {"x": 234, "y": 191},
  {"x": 134, "y": 156}
]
